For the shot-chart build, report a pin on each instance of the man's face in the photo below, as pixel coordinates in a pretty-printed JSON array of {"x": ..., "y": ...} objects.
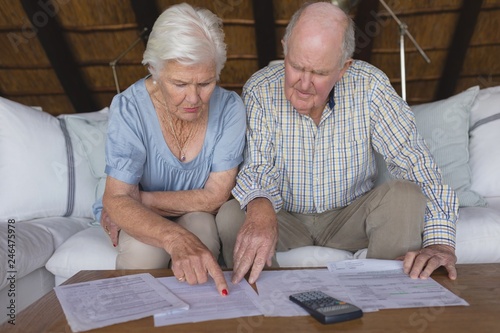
[{"x": 311, "y": 70}]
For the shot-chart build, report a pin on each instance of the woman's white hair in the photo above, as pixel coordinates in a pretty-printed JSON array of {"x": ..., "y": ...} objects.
[{"x": 187, "y": 35}]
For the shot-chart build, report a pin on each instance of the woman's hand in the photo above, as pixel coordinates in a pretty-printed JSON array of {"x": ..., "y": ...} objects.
[
  {"x": 193, "y": 262},
  {"x": 111, "y": 228}
]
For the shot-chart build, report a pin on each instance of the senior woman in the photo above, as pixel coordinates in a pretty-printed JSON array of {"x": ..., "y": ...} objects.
[{"x": 175, "y": 140}]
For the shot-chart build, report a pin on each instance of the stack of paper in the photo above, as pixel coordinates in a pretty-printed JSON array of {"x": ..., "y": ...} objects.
[{"x": 369, "y": 284}]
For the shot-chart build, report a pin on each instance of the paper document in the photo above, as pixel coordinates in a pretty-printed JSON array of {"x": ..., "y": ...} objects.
[
  {"x": 275, "y": 287},
  {"x": 207, "y": 304},
  {"x": 382, "y": 284},
  {"x": 99, "y": 303}
]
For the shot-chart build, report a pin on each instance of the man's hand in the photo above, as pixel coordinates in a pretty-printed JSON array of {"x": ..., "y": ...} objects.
[
  {"x": 111, "y": 228},
  {"x": 420, "y": 264},
  {"x": 193, "y": 262},
  {"x": 256, "y": 241}
]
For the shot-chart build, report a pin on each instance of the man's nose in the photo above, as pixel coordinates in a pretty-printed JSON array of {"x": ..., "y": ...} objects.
[{"x": 305, "y": 80}]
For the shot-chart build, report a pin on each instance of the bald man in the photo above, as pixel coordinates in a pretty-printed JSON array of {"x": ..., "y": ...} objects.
[{"x": 314, "y": 125}]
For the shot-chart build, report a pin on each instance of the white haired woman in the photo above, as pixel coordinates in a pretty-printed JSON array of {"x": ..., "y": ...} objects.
[{"x": 175, "y": 140}]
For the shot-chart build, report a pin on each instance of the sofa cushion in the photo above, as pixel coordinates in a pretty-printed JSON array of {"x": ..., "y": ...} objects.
[
  {"x": 484, "y": 142},
  {"x": 89, "y": 249},
  {"x": 34, "y": 167},
  {"x": 478, "y": 234},
  {"x": 35, "y": 242}
]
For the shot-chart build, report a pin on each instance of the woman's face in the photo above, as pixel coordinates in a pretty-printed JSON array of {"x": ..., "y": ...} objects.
[{"x": 187, "y": 89}]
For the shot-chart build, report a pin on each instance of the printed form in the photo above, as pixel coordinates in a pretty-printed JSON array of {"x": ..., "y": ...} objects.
[
  {"x": 207, "y": 304},
  {"x": 370, "y": 284},
  {"x": 382, "y": 284},
  {"x": 100, "y": 303}
]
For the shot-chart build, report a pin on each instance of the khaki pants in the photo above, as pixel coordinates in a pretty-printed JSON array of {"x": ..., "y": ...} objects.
[
  {"x": 133, "y": 254},
  {"x": 388, "y": 220}
]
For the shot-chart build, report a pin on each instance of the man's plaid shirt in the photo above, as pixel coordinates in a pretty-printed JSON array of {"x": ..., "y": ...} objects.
[{"x": 304, "y": 168}]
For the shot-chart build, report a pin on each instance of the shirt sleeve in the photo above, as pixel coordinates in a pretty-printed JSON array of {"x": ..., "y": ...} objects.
[
  {"x": 228, "y": 152},
  {"x": 258, "y": 176},
  {"x": 395, "y": 137},
  {"x": 125, "y": 150}
]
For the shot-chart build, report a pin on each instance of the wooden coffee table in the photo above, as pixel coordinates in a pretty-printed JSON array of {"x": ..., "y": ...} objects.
[{"x": 478, "y": 284}]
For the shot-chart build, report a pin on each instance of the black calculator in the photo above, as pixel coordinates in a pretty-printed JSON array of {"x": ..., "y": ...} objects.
[{"x": 325, "y": 308}]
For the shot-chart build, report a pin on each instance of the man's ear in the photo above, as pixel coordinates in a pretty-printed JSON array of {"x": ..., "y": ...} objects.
[{"x": 346, "y": 66}]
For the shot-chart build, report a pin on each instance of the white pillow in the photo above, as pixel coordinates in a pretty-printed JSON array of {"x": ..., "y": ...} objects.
[
  {"x": 88, "y": 134},
  {"x": 33, "y": 163},
  {"x": 34, "y": 167},
  {"x": 89, "y": 249},
  {"x": 88, "y": 131},
  {"x": 484, "y": 142},
  {"x": 444, "y": 125},
  {"x": 311, "y": 256}
]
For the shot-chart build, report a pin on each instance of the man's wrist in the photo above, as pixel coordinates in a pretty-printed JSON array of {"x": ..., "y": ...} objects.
[{"x": 257, "y": 195}]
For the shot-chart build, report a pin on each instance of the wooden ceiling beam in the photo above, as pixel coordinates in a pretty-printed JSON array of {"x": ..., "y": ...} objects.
[
  {"x": 265, "y": 31},
  {"x": 48, "y": 31},
  {"x": 367, "y": 29},
  {"x": 146, "y": 13},
  {"x": 458, "y": 48}
]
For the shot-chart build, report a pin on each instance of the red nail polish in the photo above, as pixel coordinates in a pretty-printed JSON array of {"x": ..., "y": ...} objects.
[
  {"x": 224, "y": 292},
  {"x": 114, "y": 245}
]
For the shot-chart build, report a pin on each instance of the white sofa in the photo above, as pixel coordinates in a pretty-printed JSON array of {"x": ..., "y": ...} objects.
[{"x": 51, "y": 172}]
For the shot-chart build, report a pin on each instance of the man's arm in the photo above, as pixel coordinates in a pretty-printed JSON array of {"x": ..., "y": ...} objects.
[
  {"x": 397, "y": 139},
  {"x": 257, "y": 186}
]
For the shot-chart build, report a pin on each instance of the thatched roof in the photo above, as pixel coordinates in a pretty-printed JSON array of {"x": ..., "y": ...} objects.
[{"x": 56, "y": 53}]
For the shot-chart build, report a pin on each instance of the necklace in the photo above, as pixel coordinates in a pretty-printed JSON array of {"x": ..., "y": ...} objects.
[{"x": 166, "y": 114}]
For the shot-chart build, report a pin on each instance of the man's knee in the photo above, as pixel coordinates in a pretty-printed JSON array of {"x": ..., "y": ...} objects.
[{"x": 407, "y": 193}]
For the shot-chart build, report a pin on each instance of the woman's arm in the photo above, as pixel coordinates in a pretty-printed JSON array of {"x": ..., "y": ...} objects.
[
  {"x": 191, "y": 260},
  {"x": 122, "y": 203},
  {"x": 208, "y": 199}
]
